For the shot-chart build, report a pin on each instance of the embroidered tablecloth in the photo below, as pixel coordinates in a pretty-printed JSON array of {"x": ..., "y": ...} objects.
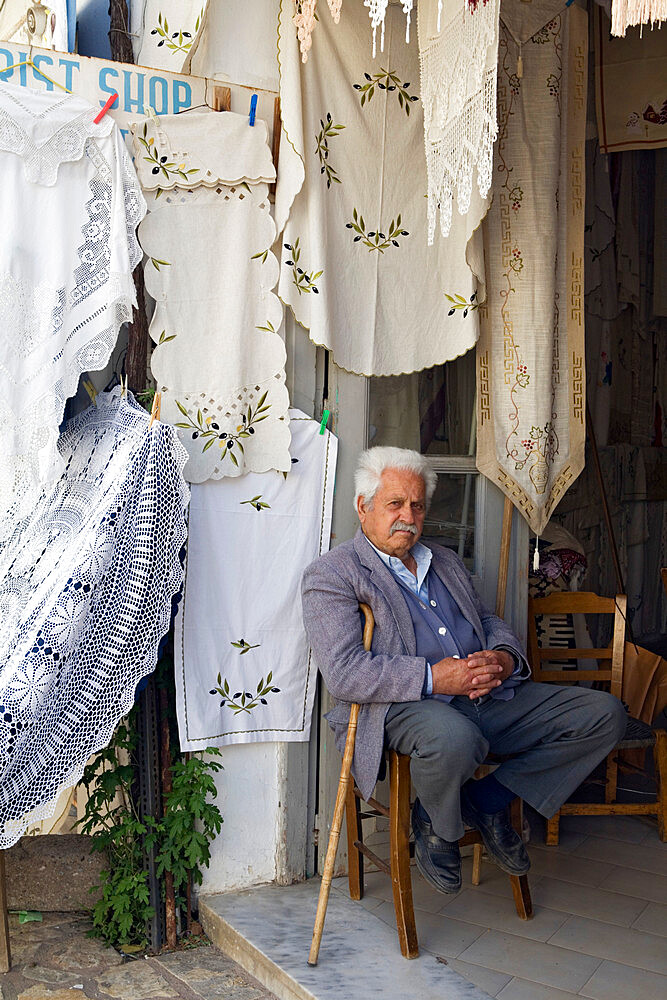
[
  {"x": 244, "y": 672},
  {"x": 530, "y": 356},
  {"x": 356, "y": 269},
  {"x": 219, "y": 360}
]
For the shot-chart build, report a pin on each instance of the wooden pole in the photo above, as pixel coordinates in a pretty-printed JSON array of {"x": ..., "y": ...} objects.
[
  {"x": 504, "y": 561},
  {"x": 120, "y": 42},
  {"x": 5, "y": 949},
  {"x": 341, "y": 795},
  {"x": 170, "y": 897},
  {"x": 620, "y": 586}
]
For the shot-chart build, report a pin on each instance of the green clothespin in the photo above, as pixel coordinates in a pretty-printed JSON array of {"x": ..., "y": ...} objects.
[
  {"x": 25, "y": 916},
  {"x": 323, "y": 423}
]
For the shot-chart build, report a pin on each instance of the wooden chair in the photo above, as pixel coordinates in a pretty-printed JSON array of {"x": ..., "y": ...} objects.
[
  {"x": 638, "y": 734},
  {"x": 401, "y": 850}
]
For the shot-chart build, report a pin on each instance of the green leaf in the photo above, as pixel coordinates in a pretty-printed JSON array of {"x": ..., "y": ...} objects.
[
  {"x": 182, "y": 408},
  {"x": 209, "y": 444}
]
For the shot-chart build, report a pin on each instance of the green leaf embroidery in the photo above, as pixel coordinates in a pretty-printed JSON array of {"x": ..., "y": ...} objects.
[
  {"x": 376, "y": 240},
  {"x": 302, "y": 279},
  {"x": 209, "y": 431},
  {"x": 244, "y": 701},
  {"x": 459, "y": 302},
  {"x": 257, "y": 503},
  {"x": 329, "y": 130},
  {"x": 386, "y": 80},
  {"x": 176, "y": 41}
]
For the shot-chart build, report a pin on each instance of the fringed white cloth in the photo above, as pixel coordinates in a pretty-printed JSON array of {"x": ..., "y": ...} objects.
[
  {"x": 305, "y": 16},
  {"x": 87, "y": 580},
  {"x": 628, "y": 13},
  {"x": 243, "y": 669},
  {"x": 70, "y": 204},
  {"x": 458, "y": 49},
  {"x": 219, "y": 360}
]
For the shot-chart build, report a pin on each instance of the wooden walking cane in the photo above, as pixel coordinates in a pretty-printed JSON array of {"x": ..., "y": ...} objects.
[{"x": 341, "y": 794}]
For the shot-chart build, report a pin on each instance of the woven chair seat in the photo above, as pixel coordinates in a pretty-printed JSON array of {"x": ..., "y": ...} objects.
[{"x": 637, "y": 734}]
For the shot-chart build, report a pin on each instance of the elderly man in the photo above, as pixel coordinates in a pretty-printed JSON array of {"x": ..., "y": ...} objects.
[{"x": 446, "y": 681}]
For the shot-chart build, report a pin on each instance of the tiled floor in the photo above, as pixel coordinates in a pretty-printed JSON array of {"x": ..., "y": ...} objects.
[{"x": 600, "y": 917}]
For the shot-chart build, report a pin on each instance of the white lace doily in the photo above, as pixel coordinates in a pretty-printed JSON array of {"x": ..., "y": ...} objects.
[
  {"x": 70, "y": 204},
  {"x": 88, "y": 576},
  {"x": 458, "y": 50}
]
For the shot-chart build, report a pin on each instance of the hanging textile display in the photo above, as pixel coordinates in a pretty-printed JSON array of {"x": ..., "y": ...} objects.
[
  {"x": 458, "y": 49},
  {"x": 166, "y": 31},
  {"x": 35, "y": 24},
  {"x": 627, "y": 13},
  {"x": 87, "y": 581},
  {"x": 356, "y": 269},
  {"x": 244, "y": 672},
  {"x": 62, "y": 300},
  {"x": 630, "y": 87},
  {"x": 531, "y": 391},
  {"x": 219, "y": 361}
]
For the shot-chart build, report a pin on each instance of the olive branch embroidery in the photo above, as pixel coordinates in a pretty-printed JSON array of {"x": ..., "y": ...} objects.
[
  {"x": 209, "y": 430},
  {"x": 244, "y": 647},
  {"x": 261, "y": 256},
  {"x": 376, "y": 240},
  {"x": 157, "y": 263},
  {"x": 460, "y": 302},
  {"x": 257, "y": 503},
  {"x": 244, "y": 701},
  {"x": 162, "y": 164},
  {"x": 328, "y": 131},
  {"x": 176, "y": 41},
  {"x": 304, "y": 280},
  {"x": 385, "y": 80}
]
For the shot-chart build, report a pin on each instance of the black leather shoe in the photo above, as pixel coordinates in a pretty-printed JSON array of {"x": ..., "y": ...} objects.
[
  {"x": 501, "y": 840},
  {"x": 438, "y": 860}
]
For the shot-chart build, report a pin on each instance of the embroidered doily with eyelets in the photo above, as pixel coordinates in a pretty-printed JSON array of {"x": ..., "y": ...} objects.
[
  {"x": 70, "y": 204},
  {"x": 458, "y": 50},
  {"x": 87, "y": 578},
  {"x": 218, "y": 359},
  {"x": 201, "y": 150}
]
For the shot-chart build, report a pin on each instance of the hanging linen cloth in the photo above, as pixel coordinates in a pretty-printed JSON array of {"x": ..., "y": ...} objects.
[
  {"x": 630, "y": 87},
  {"x": 531, "y": 373},
  {"x": 356, "y": 269},
  {"x": 165, "y": 31},
  {"x": 219, "y": 361},
  {"x": 458, "y": 50},
  {"x": 244, "y": 672},
  {"x": 87, "y": 581},
  {"x": 70, "y": 204}
]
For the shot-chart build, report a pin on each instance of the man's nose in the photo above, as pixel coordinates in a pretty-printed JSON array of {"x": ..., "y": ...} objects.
[{"x": 407, "y": 514}]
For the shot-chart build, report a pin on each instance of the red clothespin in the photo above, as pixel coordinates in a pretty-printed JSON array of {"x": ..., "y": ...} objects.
[{"x": 107, "y": 106}]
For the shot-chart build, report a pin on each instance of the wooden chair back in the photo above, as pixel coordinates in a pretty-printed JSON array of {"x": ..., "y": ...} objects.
[{"x": 580, "y": 602}]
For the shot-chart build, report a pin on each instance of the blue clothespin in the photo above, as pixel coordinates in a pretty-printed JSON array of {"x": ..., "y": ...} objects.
[
  {"x": 253, "y": 109},
  {"x": 568, "y": 3},
  {"x": 323, "y": 423}
]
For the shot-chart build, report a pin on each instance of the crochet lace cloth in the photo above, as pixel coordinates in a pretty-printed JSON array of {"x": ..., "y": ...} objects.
[
  {"x": 70, "y": 204},
  {"x": 87, "y": 581},
  {"x": 458, "y": 47}
]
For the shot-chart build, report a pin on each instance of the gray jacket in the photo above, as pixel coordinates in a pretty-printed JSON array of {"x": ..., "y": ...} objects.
[{"x": 331, "y": 590}]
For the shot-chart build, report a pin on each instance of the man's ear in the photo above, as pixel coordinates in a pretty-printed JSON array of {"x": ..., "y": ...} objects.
[{"x": 361, "y": 508}]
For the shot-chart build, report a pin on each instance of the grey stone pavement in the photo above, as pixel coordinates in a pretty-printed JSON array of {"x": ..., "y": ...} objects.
[{"x": 55, "y": 960}]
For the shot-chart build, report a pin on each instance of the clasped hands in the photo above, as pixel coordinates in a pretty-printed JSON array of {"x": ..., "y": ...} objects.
[{"x": 475, "y": 675}]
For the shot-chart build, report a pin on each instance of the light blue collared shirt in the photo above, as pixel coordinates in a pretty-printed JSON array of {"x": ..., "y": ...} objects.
[{"x": 419, "y": 585}]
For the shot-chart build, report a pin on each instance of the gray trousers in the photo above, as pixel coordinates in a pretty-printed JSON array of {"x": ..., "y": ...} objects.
[{"x": 556, "y": 734}]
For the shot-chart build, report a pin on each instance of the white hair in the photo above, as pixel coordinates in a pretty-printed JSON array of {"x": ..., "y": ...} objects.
[{"x": 373, "y": 462}]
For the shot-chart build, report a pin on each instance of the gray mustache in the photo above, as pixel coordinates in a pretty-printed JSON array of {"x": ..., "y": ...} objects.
[{"x": 402, "y": 526}]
